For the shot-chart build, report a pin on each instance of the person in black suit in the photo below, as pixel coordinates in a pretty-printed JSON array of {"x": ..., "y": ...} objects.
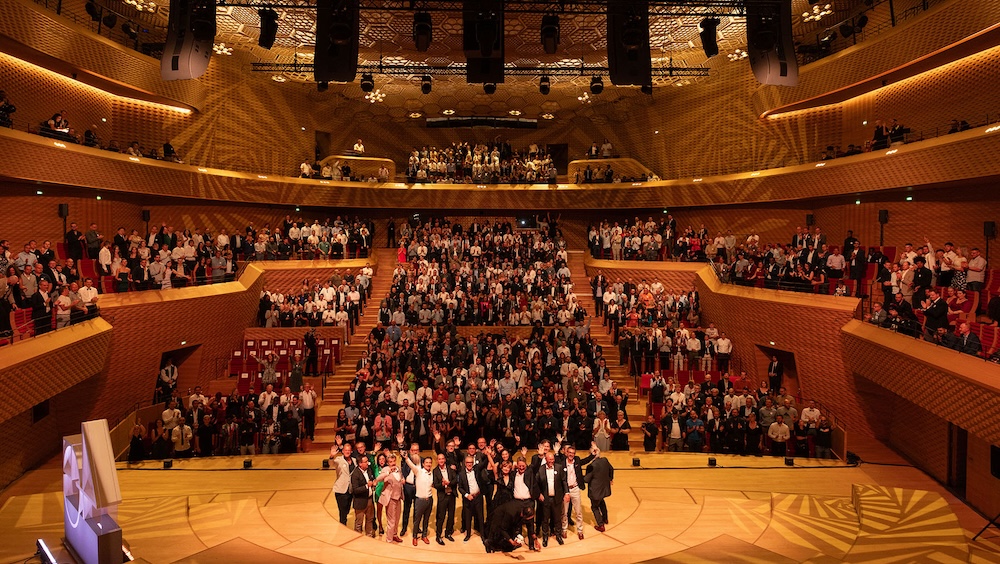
[
  {"x": 473, "y": 481},
  {"x": 445, "y": 479},
  {"x": 935, "y": 314},
  {"x": 312, "y": 353},
  {"x": 600, "y": 477},
  {"x": 553, "y": 492},
  {"x": 362, "y": 486},
  {"x": 775, "y": 370},
  {"x": 41, "y": 307},
  {"x": 967, "y": 342},
  {"x": 505, "y": 525},
  {"x": 922, "y": 280}
]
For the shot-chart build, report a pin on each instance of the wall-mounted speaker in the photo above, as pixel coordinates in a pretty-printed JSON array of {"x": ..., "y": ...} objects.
[
  {"x": 990, "y": 229},
  {"x": 810, "y": 220},
  {"x": 770, "y": 45},
  {"x": 190, "y": 36},
  {"x": 337, "y": 32},
  {"x": 995, "y": 461},
  {"x": 482, "y": 41},
  {"x": 883, "y": 216},
  {"x": 628, "y": 43},
  {"x": 145, "y": 215},
  {"x": 63, "y": 211}
]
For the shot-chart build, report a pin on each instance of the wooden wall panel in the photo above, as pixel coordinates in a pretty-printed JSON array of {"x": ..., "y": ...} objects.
[
  {"x": 982, "y": 489},
  {"x": 920, "y": 436}
]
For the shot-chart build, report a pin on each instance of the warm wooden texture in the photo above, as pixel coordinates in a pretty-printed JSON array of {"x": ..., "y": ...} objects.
[{"x": 624, "y": 167}]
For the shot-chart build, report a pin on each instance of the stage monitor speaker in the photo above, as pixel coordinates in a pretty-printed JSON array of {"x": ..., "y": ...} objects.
[
  {"x": 482, "y": 41},
  {"x": 337, "y": 32},
  {"x": 63, "y": 211},
  {"x": 990, "y": 229},
  {"x": 190, "y": 37},
  {"x": 145, "y": 215},
  {"x": 995, "y": 461},
  {"x": 770, "y": 44},
  {"x": 810, "y": 220},
  {"x": 629, "y": 61},
  {"x": 883, "y": 216}
]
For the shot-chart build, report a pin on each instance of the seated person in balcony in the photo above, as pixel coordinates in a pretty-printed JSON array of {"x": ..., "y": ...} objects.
[
  {"x": 113, "y": 147},
  {"x": 359, "y": 147},
  {"x": 6, "y": 108},
  {"x": 606, "y": 149},
  {"x": 305, "y": 169},
  {"x": 967, "y": 342},
  {"x": 169, "y": 154},
  {"x": 383, "y": 174},
  {"x": 133, "y": 149},
  {"x": 58, "y": 122},
  {"x": 327, "y": 172}
]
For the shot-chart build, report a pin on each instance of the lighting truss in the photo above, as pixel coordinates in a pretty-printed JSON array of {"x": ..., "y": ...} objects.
[
  {"x": 458, "y": 69},
  {"x": 599, "y": 7}
]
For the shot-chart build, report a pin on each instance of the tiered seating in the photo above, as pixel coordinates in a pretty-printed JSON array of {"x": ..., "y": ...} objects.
[{"x": 243, "y": 365}]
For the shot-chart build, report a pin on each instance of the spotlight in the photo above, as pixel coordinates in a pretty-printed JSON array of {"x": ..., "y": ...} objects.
[
  {"x": 367, "y": 82},
  {"x": 829, "y": 37},
  {"x": 490, "y": 88},
  {"x": 168, "y": 464},
  {"x": 544, "y": 86},
  {"x": 268, "y": 27},
  {"x": 425, "y": 84},
  {"x": 708, "y": 30},
  {"x": 596, "y": 85},
  {"x": 247, "y": 464},
  {"x": 322, "y": 86},
  {"x": 110, "y": 20},
  {"x": 635, "y": 462},
  {"x": 846, "y": 30},
  {"x": 711, "y": 462},
  {"x": 326, "y": 464},
  {"x": 853, "y": 459},
  {"x": 129, "y": 29},
  {"x": 789, "y": 461},
  {"x": 550, "y": 33},
  {"x": 423, "y": 31},
  {"x": 93, "y": 11},
  {"x": 861, "y": 23},
  {"x": 646, "y": 89}
]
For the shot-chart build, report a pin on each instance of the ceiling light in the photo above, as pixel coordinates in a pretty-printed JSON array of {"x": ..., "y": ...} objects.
[
  {"x": 584, "y": 98},
  {"x": 142, "y": 5},
  {"x": 367, "y": 82},
  {"x": 817, "y": 13},
  {"x": 596, "y": 85},
  {"x": 221, "y": 49},
  {"x": 550, "y": 33},
  {"x": 544, "y": 85},
  {"x": 425, "y": 84},
  {"x": 268, "y": 27},
  {"x": 708, "y": 31},
  {"x": 278, "y": 78},
  {"x": 490, "y": 88},
  {"x": 376, "y": 96},
  {"x": 548, "y": 116},
  {"x": 737, "y": 55},
  {"x": 514, "y": 112},
  {"x": 303, "y": 128},
  {"x": 423, "y": 31},
  {"x": 448, "y": 112},
  {"x": 415, "y": 115}
]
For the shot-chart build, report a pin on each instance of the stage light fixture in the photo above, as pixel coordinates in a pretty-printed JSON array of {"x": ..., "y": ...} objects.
[
  {"x": 490, "y": 88},
  {"x": 326, "y": 464},
  {"x": 708, "y": 31},
  {"x": 544, "y": 86},
  {"x": 129, "y": 29},
  {"x": 423, "y": 31},
  {"x": 712, "y": 462},
  {"x": 789, "y": 461},
  {"x": 829, "y": 37},
  {"x": 846, "y": 30},
  {"x": 93, "y": 11},
  {"x": 425, "y": 84},
  {"x": 635, "y": 462},
  {"x": 367, "y": 82},
  {"x": 110, "y": 20},
  {"x": 322, "y": 86},
  {"x": 646, "y": 89},
  {"x": 861, "y": 23},
  {"x": 596, "y": 85},
  {"x": 268, "y": 27},
  {"x": 247, "y": 464},
  {"x": 168, "y": 464},
  {"x": 550, "y": 33}
]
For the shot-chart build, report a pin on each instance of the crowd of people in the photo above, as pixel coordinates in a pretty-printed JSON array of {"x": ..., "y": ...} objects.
[
  {"x": 494, "y": 162},
  {"x": 340, "y": 300}
]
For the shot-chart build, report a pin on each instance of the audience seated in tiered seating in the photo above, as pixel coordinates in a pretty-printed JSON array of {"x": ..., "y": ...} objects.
[
  {"x": 342, "y": 238},
  {"x": 338, "y": 301},
  {"x": 487, "y": 163}
]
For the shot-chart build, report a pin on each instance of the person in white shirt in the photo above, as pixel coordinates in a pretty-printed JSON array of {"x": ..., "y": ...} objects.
[
  {"x": 307, "y": 400},
  {"x": 423, "y": 481},
  {"x": 305, "y": 169},
  {"x": 359, "y": 147}
]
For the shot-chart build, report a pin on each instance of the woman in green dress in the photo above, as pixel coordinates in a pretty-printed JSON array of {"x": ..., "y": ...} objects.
[{"x": 380, "y": 463}]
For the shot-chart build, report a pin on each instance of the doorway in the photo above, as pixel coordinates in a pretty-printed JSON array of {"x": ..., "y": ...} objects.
[
  {"x": 789, "y": 372},
  {"x": 958, "y": 455}
]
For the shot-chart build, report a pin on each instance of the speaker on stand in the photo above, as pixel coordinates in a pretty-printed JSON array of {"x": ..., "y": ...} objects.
[
  {"x": 883, "y": 218},
  {"x": 145, "y": 217},
  {"x": 989, "y": 233}
]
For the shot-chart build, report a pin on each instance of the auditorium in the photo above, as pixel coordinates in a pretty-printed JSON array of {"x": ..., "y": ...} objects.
[{"x": 664, "y": 281}]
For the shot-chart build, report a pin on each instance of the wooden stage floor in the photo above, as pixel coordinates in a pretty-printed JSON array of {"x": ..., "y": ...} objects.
[{"x": 672, "y": 508}]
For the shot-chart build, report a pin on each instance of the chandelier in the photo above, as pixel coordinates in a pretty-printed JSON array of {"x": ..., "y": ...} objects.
[
  {"x": 585, "y": 98},
  {"x": 221, "y": 49},
  {"x": 142, "y": 5},
  {"x": 737, "y": 55},
  {"x": 375, "y": 96},
  {"x": 817, "y": 13}
]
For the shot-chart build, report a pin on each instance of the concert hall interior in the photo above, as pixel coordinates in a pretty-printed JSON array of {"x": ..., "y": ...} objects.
[{"x": 718, "y": 271}]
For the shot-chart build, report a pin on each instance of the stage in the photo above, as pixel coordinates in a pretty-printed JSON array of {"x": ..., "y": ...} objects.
[{"x": 672, "y": 508}]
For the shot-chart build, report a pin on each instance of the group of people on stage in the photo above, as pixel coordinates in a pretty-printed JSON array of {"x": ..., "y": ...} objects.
[{"x": 509, "y": 500}]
